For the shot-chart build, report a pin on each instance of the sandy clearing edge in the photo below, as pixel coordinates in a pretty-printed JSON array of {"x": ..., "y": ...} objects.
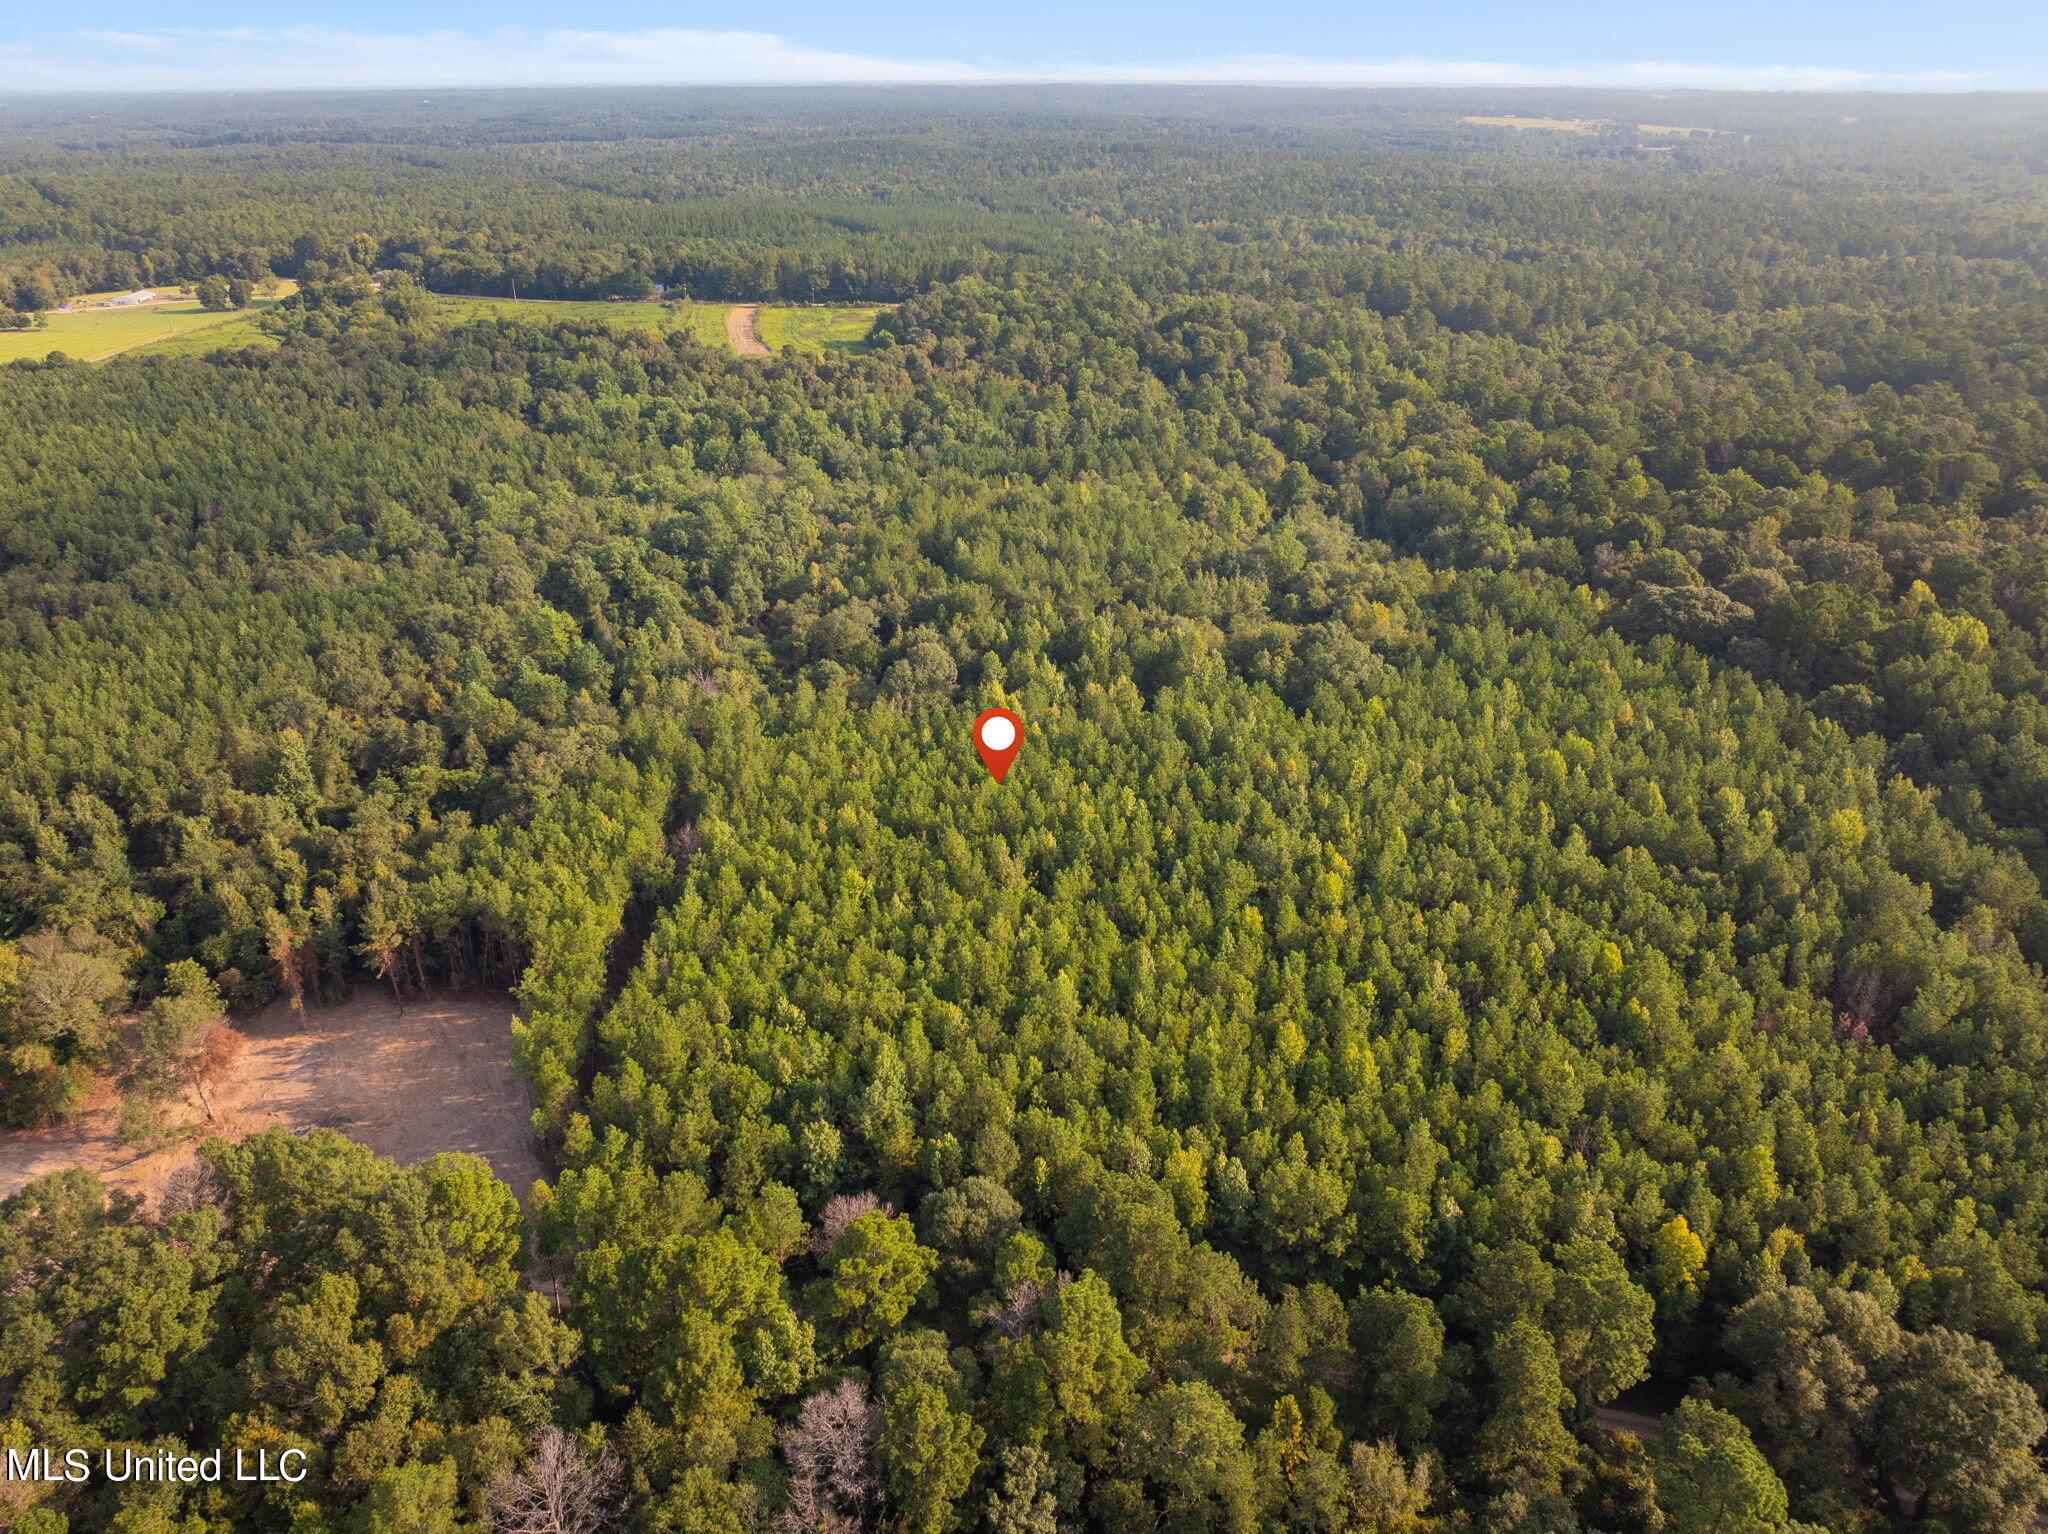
[
  {"x": 410, "y": 1081},
  {"x": 739, "y": 329},
  {"x": 1634, "y": 1423}
]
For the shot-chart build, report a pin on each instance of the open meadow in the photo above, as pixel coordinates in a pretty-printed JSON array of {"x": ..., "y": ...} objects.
[
  {"x": 704, "y": 321},
  {"x": 818, "y": 327},
  {"x": 815, "y": 327},
  {"x": 180, "y": 327},
  {"x": 90, "y": 335}
]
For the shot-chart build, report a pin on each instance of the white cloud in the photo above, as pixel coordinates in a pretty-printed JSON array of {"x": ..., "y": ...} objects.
[
  {"x": 126, "y": 39},
  {"x": 246, "y": 58},
  {"x": 1646, "y": 75},
  {"x": 251, "y": 58}
]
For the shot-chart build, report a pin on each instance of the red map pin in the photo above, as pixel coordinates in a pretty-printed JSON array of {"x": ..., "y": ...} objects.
[{"x": 997, "y": 735}]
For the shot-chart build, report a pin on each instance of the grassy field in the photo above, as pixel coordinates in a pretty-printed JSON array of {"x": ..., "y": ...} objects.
[
  {"x": 91, "y": 334},
  {"x": 1670, "y": 130},
  {"x": 1552, "y": 124},
  {"x": 704, "y": 321},
  {"x": 819, "y": 329},
  {"x": 234, "y": 332},
  {"x": 182, "y": 328}
]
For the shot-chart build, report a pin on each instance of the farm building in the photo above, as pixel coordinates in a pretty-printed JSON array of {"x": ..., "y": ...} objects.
[{"x": 139, "y": 296}]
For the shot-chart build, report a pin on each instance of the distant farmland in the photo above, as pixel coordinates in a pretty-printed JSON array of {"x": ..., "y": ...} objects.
[
  {"x": 89, "y": 335},
  {"x": 180, "y": 327},
  {"x": 812, "y": 327}
]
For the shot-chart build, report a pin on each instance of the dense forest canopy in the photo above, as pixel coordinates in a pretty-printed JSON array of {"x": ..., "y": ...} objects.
[{"x": 1523, "y": 883}]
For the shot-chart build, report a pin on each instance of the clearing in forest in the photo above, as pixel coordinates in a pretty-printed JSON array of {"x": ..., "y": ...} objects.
[
  {"x": 234, "y": 332},
  {"x": 817, "y": 327},
  {"x": 91, "y": 335},
  {"x": 1678, "y": 131},
  {"x": 409, "y": 1082},
  {"x": 1555, "y": 124},
  {"x": 752, "y": 330},
  {"x": 704, "y": 321}
]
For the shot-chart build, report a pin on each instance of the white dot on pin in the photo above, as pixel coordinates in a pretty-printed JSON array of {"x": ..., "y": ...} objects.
[{"x": 998, "y": 734}]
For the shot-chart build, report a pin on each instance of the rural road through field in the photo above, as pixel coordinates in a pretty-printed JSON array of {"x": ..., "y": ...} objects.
[{"x": 739, "y": 328}]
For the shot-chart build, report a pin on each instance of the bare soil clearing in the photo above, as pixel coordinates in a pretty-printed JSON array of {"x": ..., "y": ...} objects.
[
  {"x": 739, "y": 326},
  {"x": 1636, "y": 1424},
  {"x": 435, "y": 1075}
]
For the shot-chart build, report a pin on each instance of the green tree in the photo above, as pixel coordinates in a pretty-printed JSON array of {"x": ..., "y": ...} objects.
[
  {"x": 874, "y": 1273},
  {"x": 1813, "y": 1366},
  {"x": 1385, "y": 1493},
  {"x": 1505, "y": 1285},
  {"x": 967, "y": 1226},
  {"x": 1959, "y": 1432},
  {"x": 1620, "y": 1491},
  {"x": 1710, "y": 1477},
  {"x": 1023, "y": 1498},
  {"x": 418, "y": 1498},
  {"x": 1186, "y": 1448},
  {"x": 57, "y": 989},
  {"x": 1523, "y": 1440},
  {"x": 928, "y": 1453},
  {"x": 1399, "y": 1339},
  {"x": 314, "y": 1358},
  {"x": 1088, "y": 1370},
  {"x": 170, "y": 1034},
  {"x": 1603, "y": 1322},
  {"x": 697, "y": 1328},
  {"x": 477, "y": 1215}
]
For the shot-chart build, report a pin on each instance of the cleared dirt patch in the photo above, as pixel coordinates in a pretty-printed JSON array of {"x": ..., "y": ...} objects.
[
  {"x": 739, "y": 327},
  {"x": 435, "y": 1075},
  {"x": 1636, "y": 1424}
]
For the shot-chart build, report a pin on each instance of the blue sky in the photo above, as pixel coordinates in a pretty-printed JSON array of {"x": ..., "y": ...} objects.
[{"x": 251, "y": 44}]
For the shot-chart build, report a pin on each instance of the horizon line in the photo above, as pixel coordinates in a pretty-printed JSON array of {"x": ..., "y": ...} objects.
[{"x": 1035, "y": 82}]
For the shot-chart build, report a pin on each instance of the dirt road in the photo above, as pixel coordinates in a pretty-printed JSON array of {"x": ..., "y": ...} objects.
[
  {"x": 739, "y": 329},
  {"x": 436, "y": 1075},
  {"x": 1634, "y": 1423}
]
